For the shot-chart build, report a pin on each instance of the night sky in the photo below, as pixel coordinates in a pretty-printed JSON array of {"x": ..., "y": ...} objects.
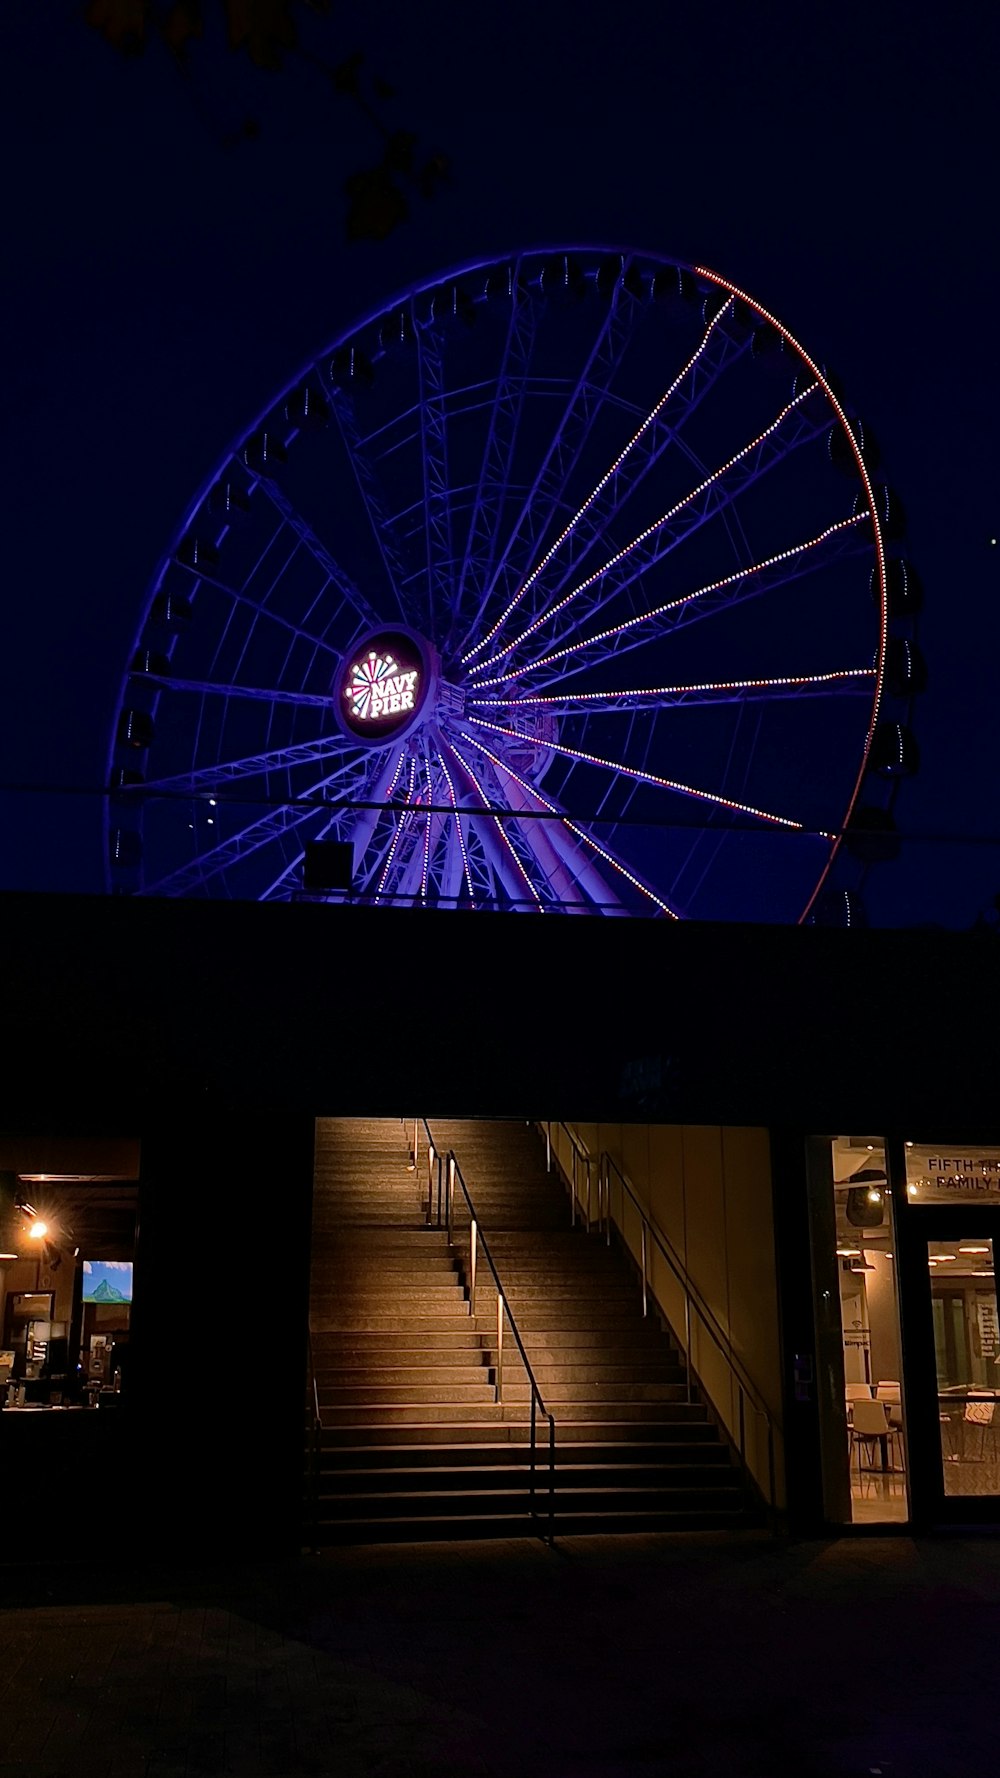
[{"x": 163, "y": 278}]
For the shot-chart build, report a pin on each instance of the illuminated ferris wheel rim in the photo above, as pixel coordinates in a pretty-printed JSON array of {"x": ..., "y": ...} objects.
[{"x": 520, "y": 266}]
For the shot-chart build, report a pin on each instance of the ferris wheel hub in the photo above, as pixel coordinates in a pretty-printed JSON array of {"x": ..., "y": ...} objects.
[{"x": 387, "y": 685}]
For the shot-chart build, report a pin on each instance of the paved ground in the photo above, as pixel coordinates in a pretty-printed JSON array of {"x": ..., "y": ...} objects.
[{"x": 607, "y": 1658}]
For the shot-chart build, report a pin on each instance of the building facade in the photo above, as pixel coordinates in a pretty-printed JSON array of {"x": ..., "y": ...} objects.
[{"x": 792, "y": 1132}]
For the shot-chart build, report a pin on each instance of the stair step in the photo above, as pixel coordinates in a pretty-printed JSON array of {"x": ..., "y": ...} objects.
[
  {"x": 509, "y": 1500},
  {"x": 412, "y": 1443},
  {"x": 386, "y": 1321},
  {"x": 452, "y": 1529},
  {"x": 328, "y": 1347},
  {"x": 380, "y": 1379},
  {"x": 687, "y": 1455},
  {"x": 402, "y": 1395},
  {"x": 600, "y": 1376},
  {"x": 356, "y": 1414},
  {"x": 498, "y": 1429},
  {"x": 571, "y": 1479}
]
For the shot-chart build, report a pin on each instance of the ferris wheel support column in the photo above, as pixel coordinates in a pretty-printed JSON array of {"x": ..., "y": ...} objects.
[
  {"x": 544, "y": 838},
  {"x": 497, "y": 856},
  {"x": 586, "y": 873}
]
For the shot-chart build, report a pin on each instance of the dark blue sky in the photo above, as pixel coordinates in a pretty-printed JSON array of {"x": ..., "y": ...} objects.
[{"x": 836, "y": 159}]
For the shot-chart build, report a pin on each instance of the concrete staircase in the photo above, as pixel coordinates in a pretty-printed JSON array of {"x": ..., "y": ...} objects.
[{"x": 413, "y": 1441}]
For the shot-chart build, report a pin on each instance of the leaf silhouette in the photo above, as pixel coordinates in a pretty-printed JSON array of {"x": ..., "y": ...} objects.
[{"x": 121, "y": 22}]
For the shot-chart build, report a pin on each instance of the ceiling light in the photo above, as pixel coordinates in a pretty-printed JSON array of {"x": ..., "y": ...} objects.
[
  {"x": 874, "y": 1197},
  {"x": 973, "y": 1250},
  {"x": 38, "y": 1230}
]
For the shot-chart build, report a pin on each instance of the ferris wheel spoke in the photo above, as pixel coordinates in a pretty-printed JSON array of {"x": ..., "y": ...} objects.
[
  {"x": 460, "y": 836},
  {"x": 623, "y": 770},
  {"x": 189, "y": 878},
  {"x": 238, "y": 596},
  {"x": 283, "y": 884},
  {"x": 845, "y": 537},
  {"x": 659, "y": 430},
  {"x": 336, "y": 575},
  {"x": 547, "y": 494},
  {"x": 846, "y": 682},
  {"x": 712, "y": 496},
  {"x": 496, "y": 472},
  {"x": 522, "y": 879},
  {"x": 400, "y": 846},
  {"x": 257, "y": 765},
  {"x": 286, "y": 818},
  {"x": 213, "y": 688},
  {"x": 584, "y": 874},
  {"x": 372, "y": 498},
  {"x": 439, "y": 555}
]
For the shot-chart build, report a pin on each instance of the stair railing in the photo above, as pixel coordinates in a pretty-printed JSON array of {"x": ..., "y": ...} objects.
[
  {"x": 651, "y": 1234},
  {"x": 435, "y": 1165},
  {"x": 580, "y": 1170},
  {"x": 478, "y": 1244},
  {"x": 315, "y": 1442}
]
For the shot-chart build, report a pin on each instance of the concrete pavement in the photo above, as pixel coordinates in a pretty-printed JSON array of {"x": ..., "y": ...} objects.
[{"x": 605, "y": 1658}]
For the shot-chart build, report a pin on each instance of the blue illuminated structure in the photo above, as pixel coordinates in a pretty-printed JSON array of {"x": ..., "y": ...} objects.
[{"x": 560, "y": 584}]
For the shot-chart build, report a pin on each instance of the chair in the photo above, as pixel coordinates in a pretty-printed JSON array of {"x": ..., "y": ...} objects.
[
  {"x": 858, "y": 1391},
  {"x": 892, "y": 1396},
  {"x": 979, "y": 1413},
  {"x": 870, "y": 1426}
]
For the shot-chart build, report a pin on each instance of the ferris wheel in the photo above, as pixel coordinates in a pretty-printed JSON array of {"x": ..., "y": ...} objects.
[{"x": 562, "y": 584}]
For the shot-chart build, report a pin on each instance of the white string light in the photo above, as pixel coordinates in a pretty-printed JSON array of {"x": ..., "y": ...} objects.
[
  {"x": 862, "y": 469},
  {"x": 602, "y": 484},
  {"x": 679, "y": 691},
  {"x": 425, "y": 873},
  {"x": 645, "y": 617},
  {"x": 458, "y": 823},
  {"x": 580, "y": 833},
  {"x": 484, "y": 799},
  {"x": 610, "y": 765},
  {"x": 622, "y": 554},
  {"x": 399, "y": 828}
]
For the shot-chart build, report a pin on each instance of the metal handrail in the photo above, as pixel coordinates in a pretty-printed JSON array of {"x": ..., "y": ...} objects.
[
  {"x": 435, "y": 1164},
  {"x": 581, "y": 1155},
  {"x": 478, "y": 1240},
  {"x": 692, "y": 1297},
  {"x": 444, "y": 1169}
]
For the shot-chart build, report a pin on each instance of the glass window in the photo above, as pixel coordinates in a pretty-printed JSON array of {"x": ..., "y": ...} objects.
[
  {"x": 953, "y": 1175},
  {"x": 875, "y": 1451},
  {"x": 967, "y": 1356}
]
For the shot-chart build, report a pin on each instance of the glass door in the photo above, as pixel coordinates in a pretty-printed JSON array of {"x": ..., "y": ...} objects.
[{"x": 967, "y": 1362}]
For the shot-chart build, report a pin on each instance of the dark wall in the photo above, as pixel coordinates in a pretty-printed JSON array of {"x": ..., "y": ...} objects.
[
  {"x": 122, "y": 1009},
  {"x": 218, "y": 1361}
]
